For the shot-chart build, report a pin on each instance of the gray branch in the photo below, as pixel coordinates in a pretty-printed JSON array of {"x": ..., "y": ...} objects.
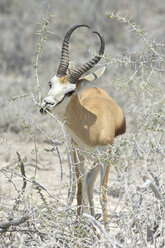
[{"x": 16, "y": 222}]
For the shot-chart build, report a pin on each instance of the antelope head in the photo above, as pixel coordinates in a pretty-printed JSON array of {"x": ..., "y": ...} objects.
[{"x": 68, "y": 79}]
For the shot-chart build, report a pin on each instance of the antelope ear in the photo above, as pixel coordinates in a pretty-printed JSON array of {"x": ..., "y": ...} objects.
[
  {"x": 71, "y": 67},
  {"x": 93, "y": 76}
]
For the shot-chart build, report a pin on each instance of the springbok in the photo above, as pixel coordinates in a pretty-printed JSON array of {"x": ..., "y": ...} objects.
[{"x": 92, "y": 118}]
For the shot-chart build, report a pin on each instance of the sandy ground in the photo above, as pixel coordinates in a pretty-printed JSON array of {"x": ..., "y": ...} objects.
[
  {"x": 47, "y": 172},
  {"x": 47, "y": 169},
  {"x": 54, "y": 178}
]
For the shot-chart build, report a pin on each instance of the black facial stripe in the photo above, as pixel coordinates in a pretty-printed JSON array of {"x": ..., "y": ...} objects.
[{"x": 69, "y": 93}]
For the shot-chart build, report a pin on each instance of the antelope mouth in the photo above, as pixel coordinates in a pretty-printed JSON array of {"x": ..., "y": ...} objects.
[
  {"x": 46, "y": 110},
  {"x": 49, "y": 108}
]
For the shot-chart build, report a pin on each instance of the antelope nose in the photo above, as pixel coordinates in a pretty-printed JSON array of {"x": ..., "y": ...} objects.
[{"x": 42, "y": 111}]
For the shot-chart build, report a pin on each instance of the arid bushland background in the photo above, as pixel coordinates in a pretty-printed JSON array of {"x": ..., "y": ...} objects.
[{"x": 34, "y": 172}]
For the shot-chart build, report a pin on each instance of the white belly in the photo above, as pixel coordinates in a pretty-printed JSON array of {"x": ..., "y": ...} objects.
[{"x": 84, "y": 147}]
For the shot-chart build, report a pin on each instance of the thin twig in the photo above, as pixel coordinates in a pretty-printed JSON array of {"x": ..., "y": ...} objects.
[
  {"x": 22, "y": 171},
  {"x": 102, "y": 229},
  {"x": 14, "y": 222}
]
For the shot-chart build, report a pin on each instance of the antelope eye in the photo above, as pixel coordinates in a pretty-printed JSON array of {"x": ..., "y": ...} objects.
[{"x": 50, "y": 84}]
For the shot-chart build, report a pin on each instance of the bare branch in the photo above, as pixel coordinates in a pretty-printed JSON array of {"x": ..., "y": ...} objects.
[
  {"x": 14, "y": 222},
  {"x": 102, "y": 229},
  {"x": 21, "y": 164}
]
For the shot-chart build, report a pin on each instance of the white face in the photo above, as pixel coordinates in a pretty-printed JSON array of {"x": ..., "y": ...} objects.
[{"x": 56, "y": 93}]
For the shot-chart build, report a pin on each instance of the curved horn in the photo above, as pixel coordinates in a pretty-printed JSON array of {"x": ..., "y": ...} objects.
[
  {"x": 64, "y": 62},
  {"x": 77, "y": 73}
]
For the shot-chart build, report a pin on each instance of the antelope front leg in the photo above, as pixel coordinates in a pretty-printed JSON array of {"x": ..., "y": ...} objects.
[
  {"x": 104, "y": 180},
  {"x": 79, "y": 191},
  {"x": 82, "y": 202},
  {"x": 79, "y": 181},
  {"x": 90, "y": 180}
]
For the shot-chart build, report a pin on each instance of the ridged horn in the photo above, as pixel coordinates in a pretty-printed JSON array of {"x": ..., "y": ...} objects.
[
  {"x": 64, "y": 62},
  {"x": 77, "y": 73}
]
